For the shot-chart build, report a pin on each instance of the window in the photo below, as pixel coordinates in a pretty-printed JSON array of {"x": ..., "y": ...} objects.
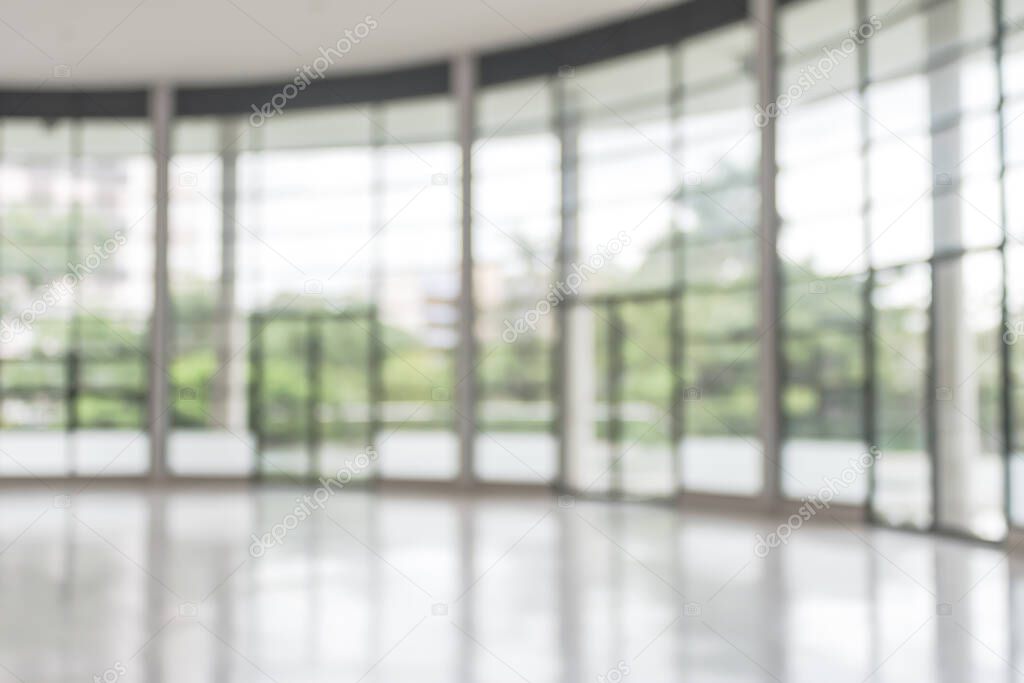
[
  {"x": 516, "y": 232},
  {"x": 77, "y": 257}
]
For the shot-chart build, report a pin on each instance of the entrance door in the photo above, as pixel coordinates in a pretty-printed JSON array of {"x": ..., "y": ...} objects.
[{"x": 313, "y": 395}]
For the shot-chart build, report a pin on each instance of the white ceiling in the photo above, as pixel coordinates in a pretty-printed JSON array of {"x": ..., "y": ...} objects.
[{"x": 131, "y": 43}]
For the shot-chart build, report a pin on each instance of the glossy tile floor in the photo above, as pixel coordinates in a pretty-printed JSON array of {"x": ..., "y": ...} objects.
[{"x": 186, "y": 585}]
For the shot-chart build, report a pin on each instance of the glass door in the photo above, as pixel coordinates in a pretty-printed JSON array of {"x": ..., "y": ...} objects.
[
  {"x": 346, "y": 411},
  {"x": 314, "y": 389}
]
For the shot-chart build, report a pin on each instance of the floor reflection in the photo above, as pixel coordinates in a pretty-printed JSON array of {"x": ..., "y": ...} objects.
[{"x": 230, "y": 585}]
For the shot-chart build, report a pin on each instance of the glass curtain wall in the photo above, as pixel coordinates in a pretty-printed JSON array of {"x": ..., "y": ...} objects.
[
  {"x": 618, "y": 117},
  {"x": 1012, "y": 142},
  {"x": 717, "y": 262},
  {"x": 515, "y": 266},
  {"x": 76, "y": 210},
  {"x": 935, "y": 64},
  {"x": 272, "y": 326},
  {"x": 304, "y": 212},
  {"x": 664, "y": 330},
  {"x": 314, "y": 281},
  {"x": 822, "y": 250},
  {"x": 209, "y": 433},
  {"x": 314, "y": 276},
  {"x": 418, "y": 247},
  {"x": 891, "y": 249}
]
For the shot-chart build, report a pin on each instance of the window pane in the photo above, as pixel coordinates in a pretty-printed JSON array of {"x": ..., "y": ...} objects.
[
  {"x": 903, "y": 472},
  {"x": 515, "y": 242}
]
